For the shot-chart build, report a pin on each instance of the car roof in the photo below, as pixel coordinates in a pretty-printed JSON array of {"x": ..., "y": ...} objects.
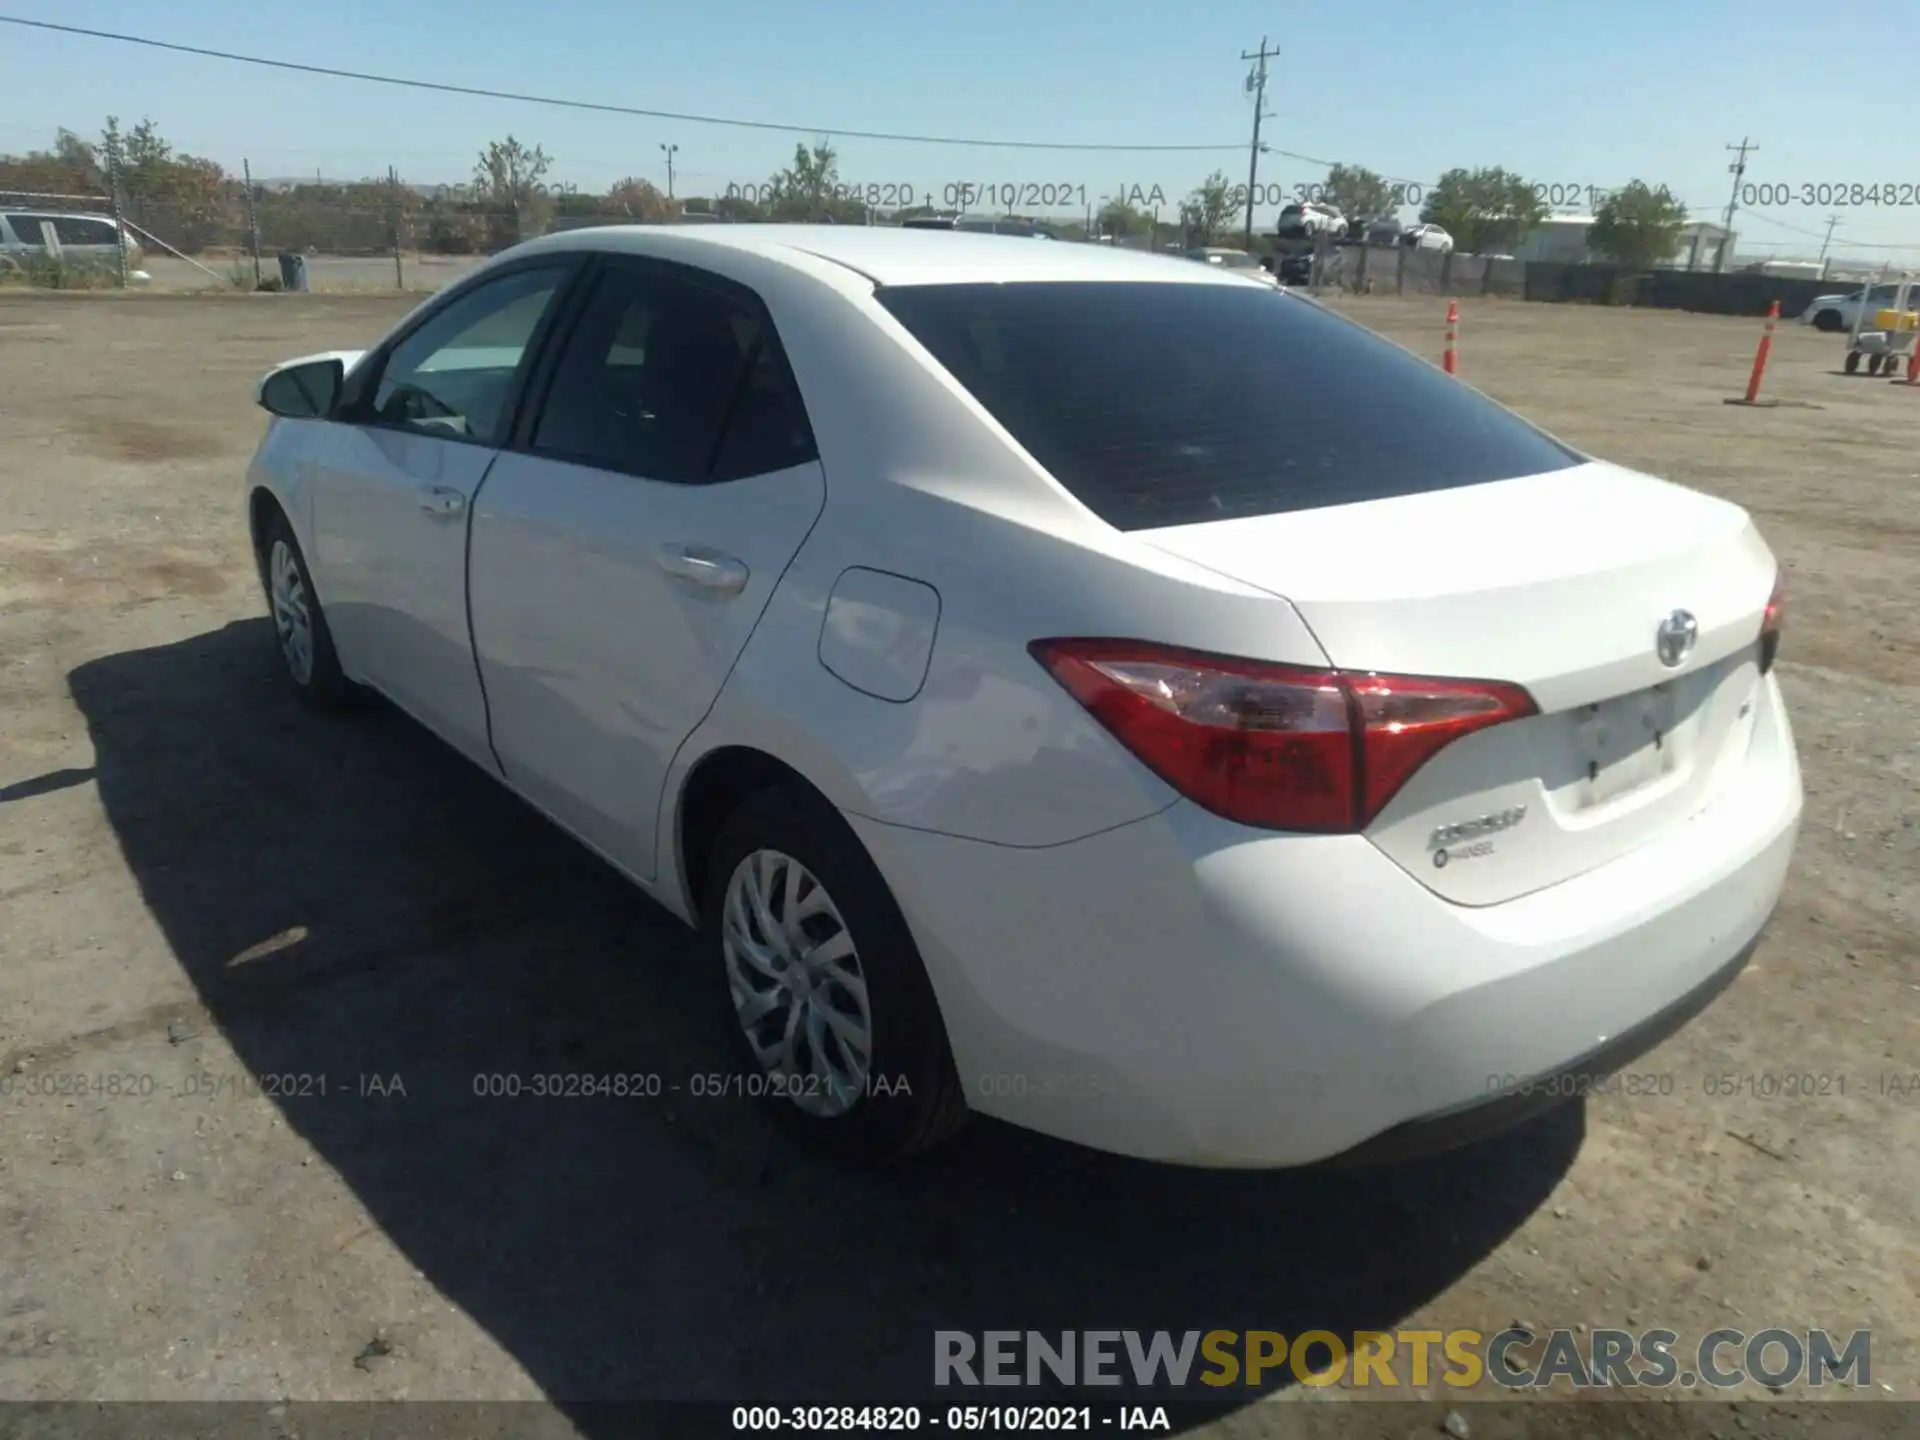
[{"x": 890, "y": 255}]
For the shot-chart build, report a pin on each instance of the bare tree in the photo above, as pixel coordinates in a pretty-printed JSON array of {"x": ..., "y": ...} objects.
[
  {"x": 510, "y": 178},
  {"x": 641, "y": 200},
  {"x": 1205, "y": 213}
]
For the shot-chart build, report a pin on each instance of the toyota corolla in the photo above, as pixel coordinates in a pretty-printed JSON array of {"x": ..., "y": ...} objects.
[{"x": 1076, "y": 686}]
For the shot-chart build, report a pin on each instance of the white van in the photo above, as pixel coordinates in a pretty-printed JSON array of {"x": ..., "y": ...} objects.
[{"x": 37, "y": 234}]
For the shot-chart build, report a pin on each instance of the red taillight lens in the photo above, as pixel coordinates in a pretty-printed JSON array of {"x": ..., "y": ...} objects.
[
  {"x": 1775, "y": 621},
  {"x": 1278, "y": 746}
]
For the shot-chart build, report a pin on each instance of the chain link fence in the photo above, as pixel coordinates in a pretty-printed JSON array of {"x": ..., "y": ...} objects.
[
  {"x": 1405, "y": 270},
  {"x": 211, "y": 232}
]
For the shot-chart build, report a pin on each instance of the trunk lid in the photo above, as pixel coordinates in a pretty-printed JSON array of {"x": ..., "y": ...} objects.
[{"x": 1557, "y": 582}]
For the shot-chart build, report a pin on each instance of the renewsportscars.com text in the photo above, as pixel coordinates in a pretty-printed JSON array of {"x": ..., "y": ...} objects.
[{"x": 1514, "y": 1359}]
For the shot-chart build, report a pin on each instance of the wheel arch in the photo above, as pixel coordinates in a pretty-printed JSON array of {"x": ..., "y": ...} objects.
[
  {"x": 715, "y": 786},
  {"x": 263, "y": 507}
]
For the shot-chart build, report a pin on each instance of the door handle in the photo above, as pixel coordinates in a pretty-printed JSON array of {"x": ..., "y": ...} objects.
[
  {"x": 442, "y": 501},
  {"x": 704, "y": 567}
]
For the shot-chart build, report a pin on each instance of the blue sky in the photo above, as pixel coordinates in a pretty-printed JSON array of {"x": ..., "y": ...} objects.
[{"x": 1569, "y": 96}]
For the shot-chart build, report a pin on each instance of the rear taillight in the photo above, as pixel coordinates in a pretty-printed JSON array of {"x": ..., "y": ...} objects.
[
  {"x": 1775, "y": 621},
  {"x": 1278, "y": 746}
]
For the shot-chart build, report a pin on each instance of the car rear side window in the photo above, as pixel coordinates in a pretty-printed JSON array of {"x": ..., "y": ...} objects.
[
  {"x": 26, "y": 231},
  {"x": 672, "y": 380},
  {"x": 1174, "y": 404}
]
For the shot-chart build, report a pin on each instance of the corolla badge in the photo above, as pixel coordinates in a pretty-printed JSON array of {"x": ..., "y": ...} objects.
[
  {"x": 1465, "y": 832},
  {"x": 1675, "y": 638}
]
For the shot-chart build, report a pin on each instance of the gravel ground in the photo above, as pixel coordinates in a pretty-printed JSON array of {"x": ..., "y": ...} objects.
[{"x": 214, "y": 904}]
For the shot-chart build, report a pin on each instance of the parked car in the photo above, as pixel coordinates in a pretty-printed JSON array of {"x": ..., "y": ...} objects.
[
  {"x": 1239, "y": 262},
  {"x": 1426, "y": 237},
  {"x": 1080, "y": 754},
  {"x": 45, "y": 234},
  {"x": 1296, "y": 269},
  {"x": 1385, "y": 232},
  {"x": 1309, "y": 220},
  {"x": 1835, "y": 313}
]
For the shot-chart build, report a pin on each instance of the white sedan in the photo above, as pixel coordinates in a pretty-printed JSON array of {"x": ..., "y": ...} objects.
[{"x": 1031, "y": 724}]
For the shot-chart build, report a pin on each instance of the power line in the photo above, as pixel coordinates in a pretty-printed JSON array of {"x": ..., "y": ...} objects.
[
  {"x": 605, "y": 109},
  {"x": 1816, "y": 235}
]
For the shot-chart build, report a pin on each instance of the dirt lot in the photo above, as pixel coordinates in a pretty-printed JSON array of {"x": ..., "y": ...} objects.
[{"x": 209, "y": 898}]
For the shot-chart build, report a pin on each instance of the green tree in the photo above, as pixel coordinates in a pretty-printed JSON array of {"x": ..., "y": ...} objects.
[
  {"x": 71, "y": 167},
  {"x": 1121, "y": 220},
  {"x": 1358, "y": 193},
  {"x": 809, "y": 189},
  {"x": 1489, "y": 209},
  {"x": 737, "y": 208},
  {"x": 1638, "y": 225},
  {"x": 187, "y": 200},
  {"x": 510, "y": 179},
  {"x": 1206, "y": 212}
]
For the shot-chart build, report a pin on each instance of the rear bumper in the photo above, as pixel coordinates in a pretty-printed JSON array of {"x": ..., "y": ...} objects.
[
  {"x": 1522, "y": 1100},
  {"x": 1184, "y": 989}
]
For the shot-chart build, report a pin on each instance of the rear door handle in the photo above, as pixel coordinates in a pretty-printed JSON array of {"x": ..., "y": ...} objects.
[
  {"x": 704, "y": 567},
  {"x": 442, "y": 501}
]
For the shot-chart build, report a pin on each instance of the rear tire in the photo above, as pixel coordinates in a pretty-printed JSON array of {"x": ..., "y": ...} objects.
[
  {"x": 300, "y": 625},
  {"x": 834, "y": 1016}
]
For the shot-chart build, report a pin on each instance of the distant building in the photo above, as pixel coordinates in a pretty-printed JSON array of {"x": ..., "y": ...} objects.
[
  {"x": 1699, "y": 243},
  {"x": 1559, "y": 239},
  {"x": 1566, "y": 240}
]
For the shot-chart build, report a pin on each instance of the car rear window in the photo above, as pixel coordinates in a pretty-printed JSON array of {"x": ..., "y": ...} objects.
[{"x": 1170, "y": 404}]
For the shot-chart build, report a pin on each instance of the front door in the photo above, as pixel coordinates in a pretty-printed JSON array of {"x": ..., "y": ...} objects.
[
  {"x": 393, "y": 495},
  {"x": 621, "y": 561}
]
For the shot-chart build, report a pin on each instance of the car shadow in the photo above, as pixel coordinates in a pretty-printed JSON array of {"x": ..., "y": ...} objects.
[{"x": 351, "y": 899}]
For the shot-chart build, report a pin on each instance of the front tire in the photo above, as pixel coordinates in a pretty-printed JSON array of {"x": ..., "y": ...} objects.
[
  {"x": 1829, "y": 321},
  {"x": 835, "y": 1018},
  {"x": 300, "y": 625}
]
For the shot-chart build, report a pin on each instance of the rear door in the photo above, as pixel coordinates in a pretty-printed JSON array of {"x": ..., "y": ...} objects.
[
  {"x": 625, "y": 548},
  {"x": 393, "y": 485}
]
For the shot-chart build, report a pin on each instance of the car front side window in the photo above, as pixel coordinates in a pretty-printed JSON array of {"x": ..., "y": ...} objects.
[{"x": 455, "y": 375}]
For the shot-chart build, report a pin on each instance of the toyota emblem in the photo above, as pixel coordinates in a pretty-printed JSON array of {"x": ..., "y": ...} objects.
[{"x": 1674, "y": 640}]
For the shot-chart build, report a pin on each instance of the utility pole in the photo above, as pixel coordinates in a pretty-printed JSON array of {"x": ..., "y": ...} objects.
[
  {"x": 1257, "y": 83},
  {"x": 253, "y": 222},
  {"x": 113, "y": 192},
  {"x": 393, "y": 198},
  {"x": 1832, "y": 220},
  {"x": 1739, "y": 169},
  {"x": 669, "y": 149}
]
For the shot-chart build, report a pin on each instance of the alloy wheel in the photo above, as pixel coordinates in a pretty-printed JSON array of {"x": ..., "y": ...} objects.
[
  {"x": 292, "y": 617},
  {"x": 798, "y": 989}
]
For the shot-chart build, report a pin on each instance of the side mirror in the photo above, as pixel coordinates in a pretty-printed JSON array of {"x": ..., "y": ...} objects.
[{"x": 307, "y": 390}]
